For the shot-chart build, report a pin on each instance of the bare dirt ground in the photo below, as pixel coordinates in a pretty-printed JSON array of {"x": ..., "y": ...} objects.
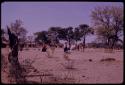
[{"x": 84, "y": 67}]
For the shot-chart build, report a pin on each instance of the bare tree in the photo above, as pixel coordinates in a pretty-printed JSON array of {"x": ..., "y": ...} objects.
[
  {"x": 15, "y": 67},
  {"x": 18, "y": 30},
  {"x": 108, "y": 21}
]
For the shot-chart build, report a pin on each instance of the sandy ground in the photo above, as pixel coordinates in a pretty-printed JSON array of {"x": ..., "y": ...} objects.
[{"x": 83, "y": 71}]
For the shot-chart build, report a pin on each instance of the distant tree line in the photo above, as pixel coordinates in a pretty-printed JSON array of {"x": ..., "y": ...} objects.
[
  {"x": 108, "y": 27},
  {"x": 68, "y": 34}
]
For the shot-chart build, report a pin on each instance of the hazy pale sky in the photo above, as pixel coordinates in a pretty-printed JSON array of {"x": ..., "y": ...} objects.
[{"x": 38, "y": 16}]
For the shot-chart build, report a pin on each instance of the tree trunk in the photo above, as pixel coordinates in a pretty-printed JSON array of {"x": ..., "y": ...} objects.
[
  {"x": 113, "y": 43},
  {"x": 110, "y": 45},
  {"x": 76, "y": 46},
  {"x": 83, "y": 43},
  {"x": 69, "y": 43},
  {"x": 15, "y": 68}
]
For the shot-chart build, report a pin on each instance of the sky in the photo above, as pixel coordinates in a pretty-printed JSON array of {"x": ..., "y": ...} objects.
[{"x": 38, "y": 16}]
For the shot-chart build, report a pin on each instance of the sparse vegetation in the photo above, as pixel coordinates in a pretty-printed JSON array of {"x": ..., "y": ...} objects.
[{"x": 108, "y": 23}]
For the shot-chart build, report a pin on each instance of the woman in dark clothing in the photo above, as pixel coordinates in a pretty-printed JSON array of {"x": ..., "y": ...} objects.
[
  {"x": 44, "y": 48},
  {"x": 65, "y": 48}
]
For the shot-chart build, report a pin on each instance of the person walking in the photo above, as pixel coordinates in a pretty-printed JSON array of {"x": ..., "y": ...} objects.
[
  {"x": 53, "y": 46},
  {"x": 44, "y": 48},
  {"x": 66, "y": 53}
]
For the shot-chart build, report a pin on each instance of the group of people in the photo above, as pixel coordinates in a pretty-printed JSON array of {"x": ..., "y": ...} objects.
[{"x": 50, "y": 49}]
